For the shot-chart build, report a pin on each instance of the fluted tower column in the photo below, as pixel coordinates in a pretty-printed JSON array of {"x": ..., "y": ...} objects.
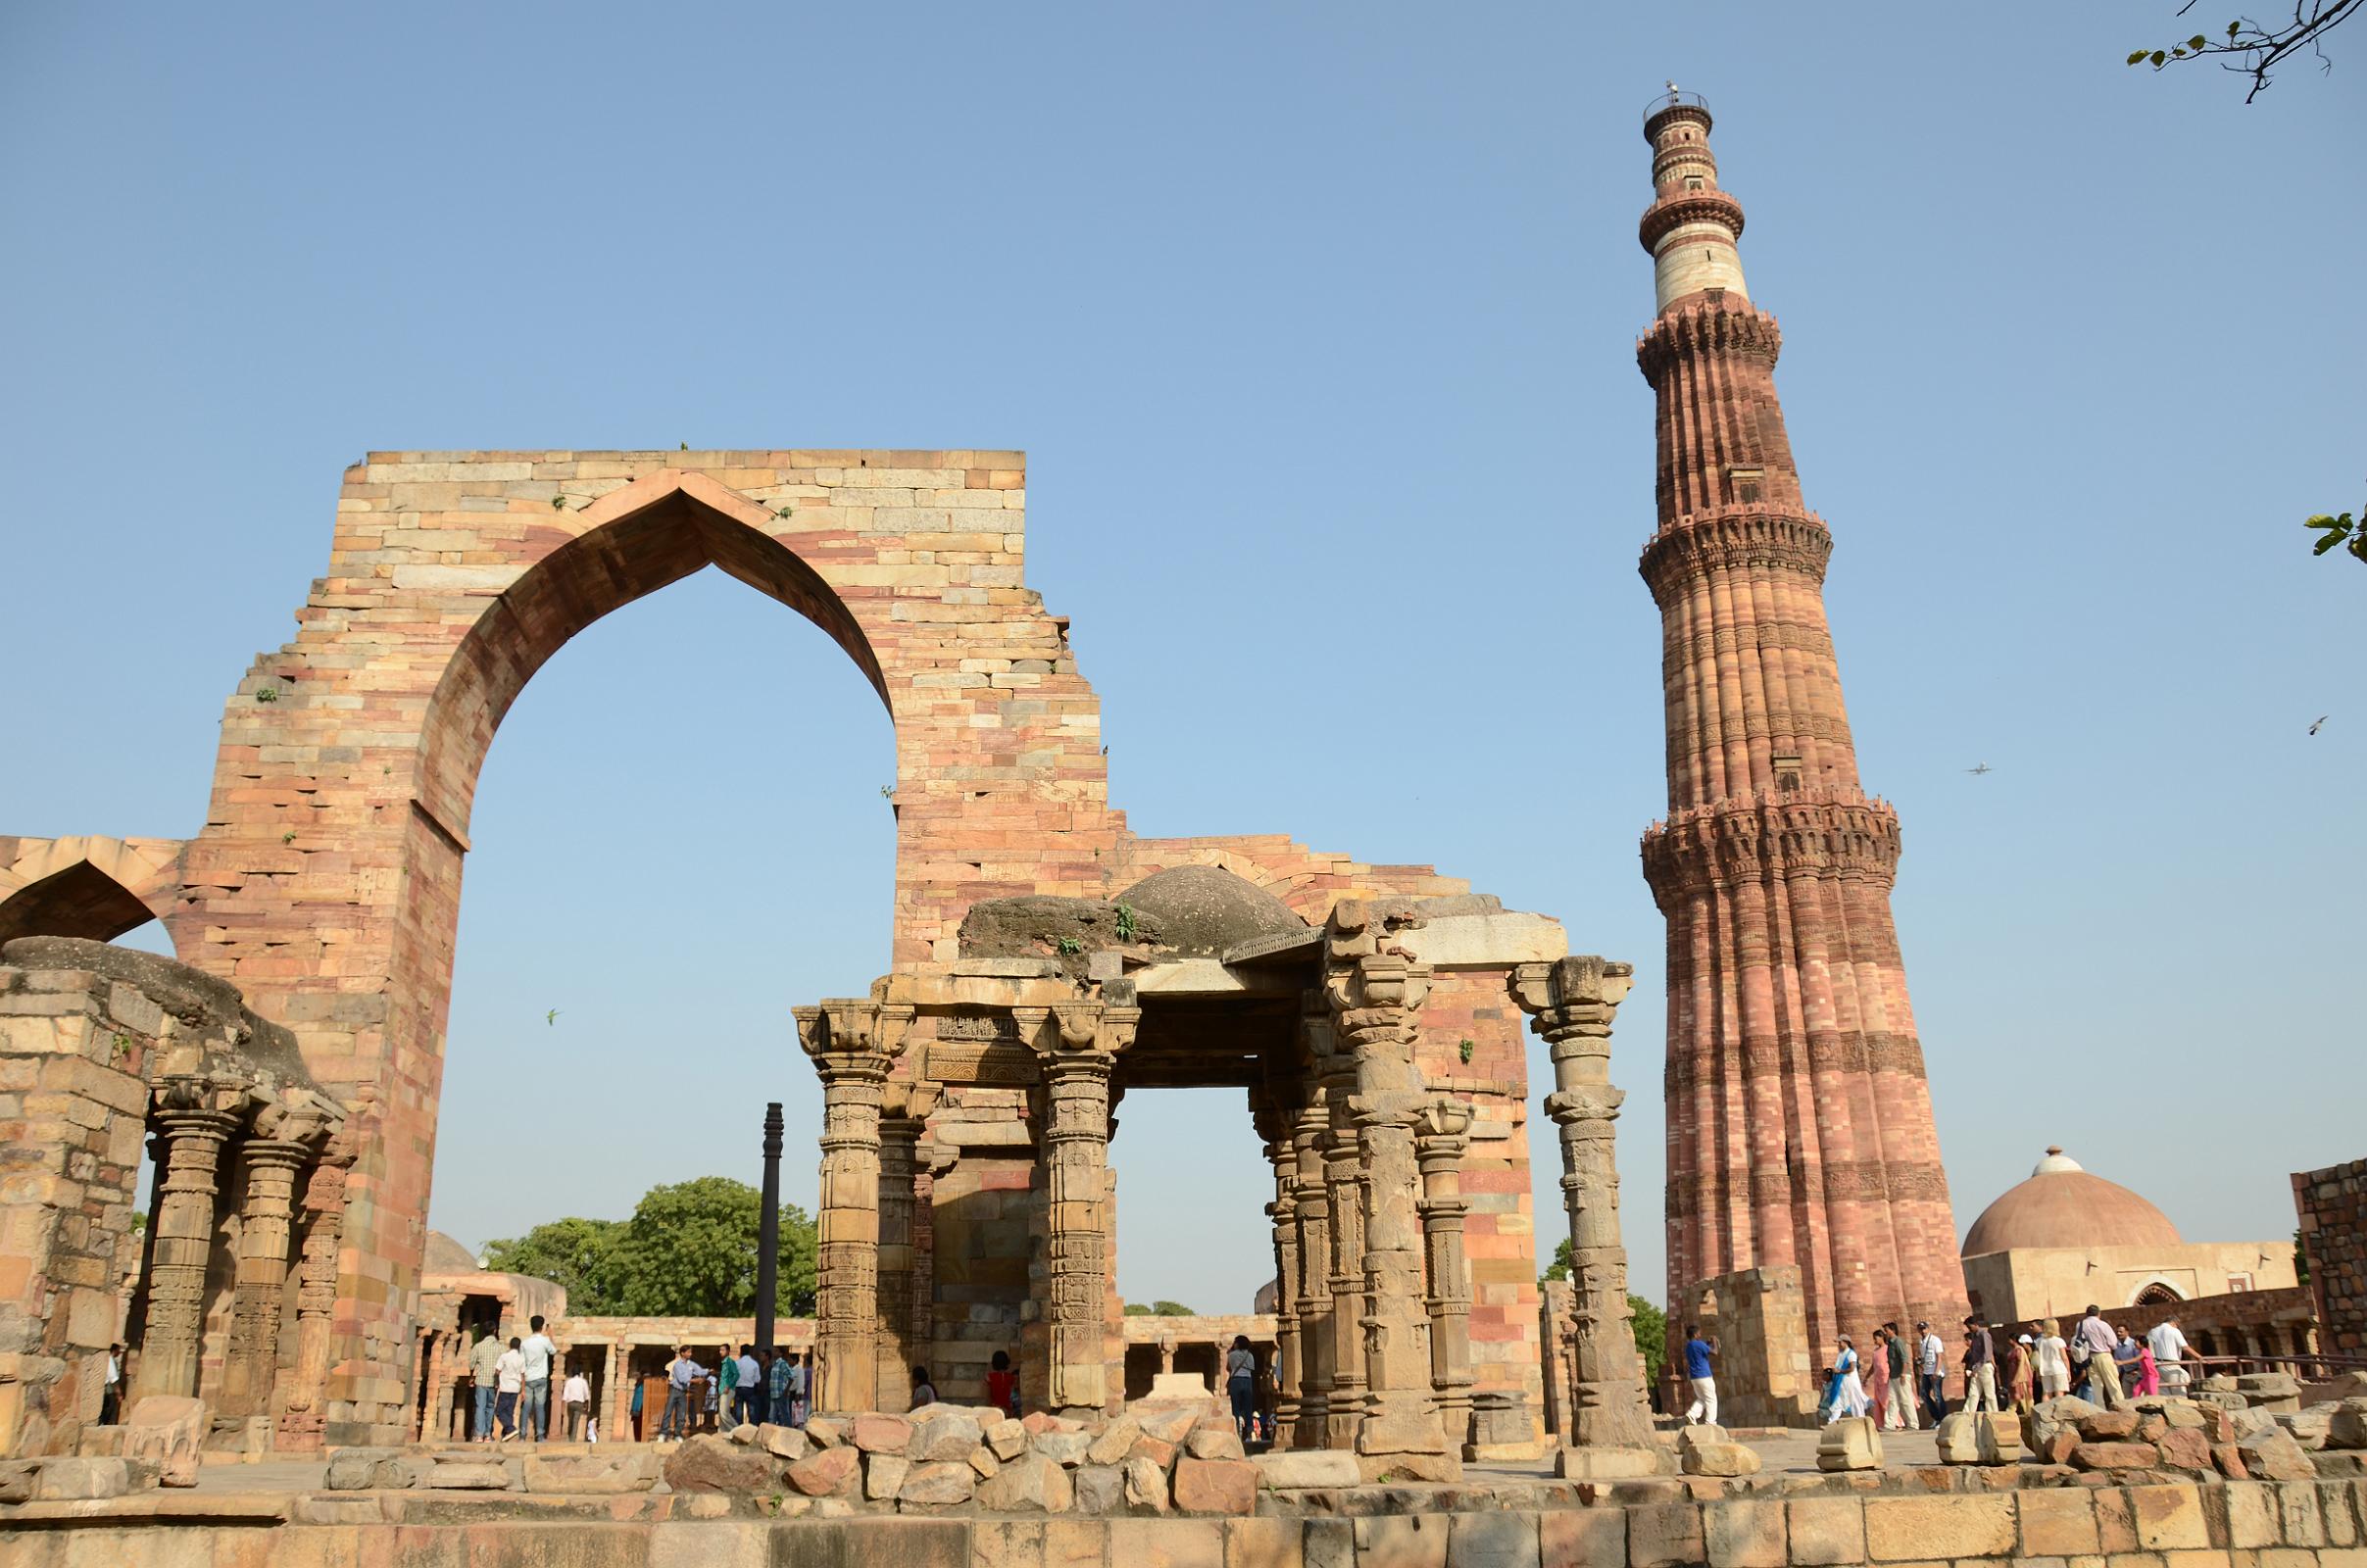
[{"x": 1800, "y": 1123}]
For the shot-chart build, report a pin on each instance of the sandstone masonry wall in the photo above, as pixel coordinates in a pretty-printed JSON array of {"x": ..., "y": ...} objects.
[{"x": 2333, "y": 1206}]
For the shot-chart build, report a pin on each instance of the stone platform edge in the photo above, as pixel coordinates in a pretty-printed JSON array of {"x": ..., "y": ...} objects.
[{"x": 1771, "y": 1522}]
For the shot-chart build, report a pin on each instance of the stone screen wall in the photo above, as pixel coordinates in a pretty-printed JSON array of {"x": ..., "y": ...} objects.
[{"x": 2333, "y": 1208}]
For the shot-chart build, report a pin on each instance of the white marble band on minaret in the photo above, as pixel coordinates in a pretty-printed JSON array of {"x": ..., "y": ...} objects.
[{"x": 1692, "y": 225}]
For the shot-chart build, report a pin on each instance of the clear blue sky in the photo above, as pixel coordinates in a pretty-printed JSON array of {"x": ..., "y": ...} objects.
[{"x": 1318, "y": 325}]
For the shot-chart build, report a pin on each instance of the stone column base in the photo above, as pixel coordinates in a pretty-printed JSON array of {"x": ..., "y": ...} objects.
[
  {"x": 1434, "y": 1467},
  {"x": 1526, "y": 1452}
]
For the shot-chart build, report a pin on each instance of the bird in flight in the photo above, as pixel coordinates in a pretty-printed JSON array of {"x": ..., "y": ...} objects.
[
  {"x": 551, "y": 1017},
  {"x": 2321, "y": 718},
  {"x": 1983, "y": 768}
]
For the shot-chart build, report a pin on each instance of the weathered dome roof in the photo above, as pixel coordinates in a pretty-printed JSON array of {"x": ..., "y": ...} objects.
[
  {"x": 2062, "y": 1205},
  {"x": 1206, "y": 909},
  {"x": 447, "y": 1256}
]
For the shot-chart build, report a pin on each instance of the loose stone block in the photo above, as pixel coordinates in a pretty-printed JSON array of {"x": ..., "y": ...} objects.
[
  {"x": 1211, "y": 1440},
  {"x": 1007, "y": 1438},
  {"x": 880, "y": 1433},
  {"x": 1112, "y": 1446},
  {"x": 710, "y": 1463},
  {"x": 1308, "y": 1467},
  {"x": 1061, "y": 1447},
  {"x": 168, "y": 1429},
  {"x": 1744, "y": 1534},
  {"x": 481, "y": 1475},
  {"x": 786, "y": 1443},
  {"x": 939, "y": 1484},
  {"x": 1145, "y": 1485},
  {"x": 883, "y": 1476},
  {"x": 70, "y": 1479},
  {"x": 1029, "y": 1483},
  {"x": 2115, "y": 1456},
  {"x": 1100, "y": 1488},
  {"x": 1823, "y": 1532},
  {"x": 940, "y": 1439},
  {"x": 1920, "y": 1529},
  {"x": 1215, "y": 1485},
  {"x": 830, "y": 1473},
  {"x": 1852, "y": 1442}
]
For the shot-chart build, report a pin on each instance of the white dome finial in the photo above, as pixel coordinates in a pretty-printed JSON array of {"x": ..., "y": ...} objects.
[{"x": 2055, "y": 1160}]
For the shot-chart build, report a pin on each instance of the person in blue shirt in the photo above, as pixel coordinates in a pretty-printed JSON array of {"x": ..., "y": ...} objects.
[{"x": 1697, "y": 1352}]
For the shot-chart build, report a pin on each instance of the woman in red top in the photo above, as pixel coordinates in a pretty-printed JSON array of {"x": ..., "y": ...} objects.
[{"x": 1002, "y": 1385}]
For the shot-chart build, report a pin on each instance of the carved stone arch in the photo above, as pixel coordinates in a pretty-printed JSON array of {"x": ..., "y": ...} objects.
[
  {"x": 93, "y": 888},
  {"x": 2157, "y": 1291},
  {"x": 632, "y": 541}
]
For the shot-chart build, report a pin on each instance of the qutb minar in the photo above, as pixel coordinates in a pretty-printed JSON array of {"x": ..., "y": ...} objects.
[{"x": 1800, "y": 1121}]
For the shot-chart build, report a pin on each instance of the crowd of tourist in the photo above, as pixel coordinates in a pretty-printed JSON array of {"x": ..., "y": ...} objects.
[
  {"x": 511, "y": 1391},
  {"x": 1900, "y": 1382}
]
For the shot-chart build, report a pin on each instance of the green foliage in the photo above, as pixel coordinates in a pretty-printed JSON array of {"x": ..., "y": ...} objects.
[
  {"x": 1070, "y": 946},
  {"x": 1650, "y": 1327},
  {"x": 2343, "y": 533},
  {"x": 558, "y": 503},
  {"x": 1559, "y": 1268},
  {"x": 1125, "y": 922},
  {"x": 1464, "y": 1051},
  {"x": 266, "y": 694},
  {"x": 2255, "y": 49},
  {"x": 1160, "y": 1309},
  {"x": 689, "y": 1251},
  {"x": 2301, "y": 1259},
  {"x": 578, "y": 1253}
]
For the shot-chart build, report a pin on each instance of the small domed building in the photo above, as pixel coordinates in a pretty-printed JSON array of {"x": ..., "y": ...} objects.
[{"x": 2066, "y": 1236}]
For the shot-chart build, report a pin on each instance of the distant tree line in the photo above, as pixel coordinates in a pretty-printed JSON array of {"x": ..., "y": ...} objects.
[{"x": 689, "y": 1251}]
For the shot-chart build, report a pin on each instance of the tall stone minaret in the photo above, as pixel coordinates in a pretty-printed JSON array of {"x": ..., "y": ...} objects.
[{"x": 1800, "y": 1122}]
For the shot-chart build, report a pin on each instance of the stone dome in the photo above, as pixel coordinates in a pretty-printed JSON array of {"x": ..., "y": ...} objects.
[
  {"x": 1206, "y": 909},
  {"x": 2062, "y": 1205},
  {"x": 446, "y": 1255}
]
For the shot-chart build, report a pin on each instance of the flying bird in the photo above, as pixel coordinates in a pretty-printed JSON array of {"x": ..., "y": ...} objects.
[
  {"x": 551, "y": 1017},
  {"x": 2321, "y": 718},
  {"x": 1983, "y": 768}
]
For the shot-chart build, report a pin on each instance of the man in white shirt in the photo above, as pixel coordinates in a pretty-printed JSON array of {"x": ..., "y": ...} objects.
[
  {"x": 2169, "y": 1345},
  {"x": 509, "y": 1376},
  {"x": 576, "y": 1398},
  {"x": 540, "y": 1354},
  {"x": 2096, "y": 1336}
]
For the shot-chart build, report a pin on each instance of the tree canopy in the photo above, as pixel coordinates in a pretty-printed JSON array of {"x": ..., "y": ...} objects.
[
  {"x": 689, "y": 1251},
  {"x": 1159, "y": 1309}
]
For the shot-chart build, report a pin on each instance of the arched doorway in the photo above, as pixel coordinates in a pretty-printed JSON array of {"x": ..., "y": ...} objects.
[
  {"x": 2156, "y": 1294},
  {"x": 99, "y": 889},
  {"x": 326, "y": 882}
]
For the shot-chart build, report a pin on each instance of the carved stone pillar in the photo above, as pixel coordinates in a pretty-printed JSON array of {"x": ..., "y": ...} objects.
[
  {"x": 285, "y": 1140},
  {"x": 1079, "y": 1043},
  {"x": 1344, "y": 1189},
  {"x": 1376, "y": 995},
  {"x": 1445, "y": 1132},
  {"x": 853, "y": 1043},
  {"x": 302, "y": 1412},
  {"x": 194, "y": 1131},
  {"x": 930, "y": 1160},
  {"x": 1273, "y": 1126},
  {"x": 904, "y": 1116},
  {"x": 1571, "y": 1003},
  {"x": 1166, "y": 1357},
  {"x": 1310, "y": 1195}
]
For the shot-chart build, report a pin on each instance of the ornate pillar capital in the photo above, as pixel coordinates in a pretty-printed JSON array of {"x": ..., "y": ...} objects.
[
  {"x": 853, "y": 1037},
  {"x": 1571, "y": 997}
]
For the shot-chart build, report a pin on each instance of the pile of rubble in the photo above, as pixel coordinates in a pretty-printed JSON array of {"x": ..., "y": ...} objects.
[{"x": 1177, "y": 1456}]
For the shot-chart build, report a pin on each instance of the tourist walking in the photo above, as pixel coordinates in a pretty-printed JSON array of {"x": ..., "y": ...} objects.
[
  {"x": 1003, "y": 1384},
  {"x": 1240, "y": 1386},
  {"x": 1845, "y": 1389},
  {"x": 1902, "y": 1379},
  {"x": 1930, "y": 1381},
  {"x": 2094, "y": 1337},
  {"x": 1980, "y": 1367},
  {"x": 510, "y": 1376},
  {"x": 721, "y": 1392},
  {"x": 801, "y": 1388},
  {"x": 750, "y": 1385},
  {"x": 633, "y": 1409},
  {"x": 111, "y": 1401},
  {"x": 1878, "y": 1377},
  {"x": 482, "y": 1375},
  {"x": 1702, "y": 1376},
  {"x": 2169, "y": 1347},
  {"x": 2054, "y": 1361},
  {"x": 575, "y": 1398},
  {"x": 2019, "y": 1377},
  {"x": 778, "y": 1379},
  {"x": 923, "y": 1390},
  {"x": 681, "y": 1373},
  {"x": 541, "y": 1355}
]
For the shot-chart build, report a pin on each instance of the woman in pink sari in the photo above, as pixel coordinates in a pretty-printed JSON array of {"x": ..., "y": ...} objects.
[
  {"x": 2148, "y": 1376},
  {"x": 1878, "y": 1377}
]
